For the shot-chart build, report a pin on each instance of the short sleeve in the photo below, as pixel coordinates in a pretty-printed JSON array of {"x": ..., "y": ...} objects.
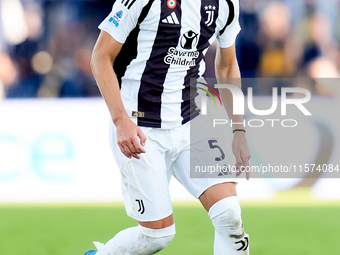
[
  {"x": 227, "y": 36},
  {"x": 122, "y": 19}
]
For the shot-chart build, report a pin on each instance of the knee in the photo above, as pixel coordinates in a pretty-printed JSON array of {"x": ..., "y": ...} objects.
[
  {"x": 158, "y": 239},
  {"x": 226, "y": 217}
]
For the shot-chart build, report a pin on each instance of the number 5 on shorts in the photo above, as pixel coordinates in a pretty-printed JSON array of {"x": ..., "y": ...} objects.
[{"x": 213, "y": 146}]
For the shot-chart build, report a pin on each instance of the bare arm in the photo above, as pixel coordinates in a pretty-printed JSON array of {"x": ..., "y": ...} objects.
[
  {"x": 130, "y": 137},
  {"x": 226, "y": 66}
]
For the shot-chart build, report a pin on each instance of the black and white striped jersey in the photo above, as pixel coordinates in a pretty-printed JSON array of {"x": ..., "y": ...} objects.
[{"x": 164, "y": 44}]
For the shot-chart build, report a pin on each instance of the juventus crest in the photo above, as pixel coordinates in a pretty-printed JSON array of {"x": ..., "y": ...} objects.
[{"x": 210, "y": 11}]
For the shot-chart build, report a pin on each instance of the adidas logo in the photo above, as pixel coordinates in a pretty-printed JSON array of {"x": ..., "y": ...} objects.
[{"x": 171, "y": 19}]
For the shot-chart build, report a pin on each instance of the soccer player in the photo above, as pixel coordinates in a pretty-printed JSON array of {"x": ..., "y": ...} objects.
[{"x": 156, "y": 47}]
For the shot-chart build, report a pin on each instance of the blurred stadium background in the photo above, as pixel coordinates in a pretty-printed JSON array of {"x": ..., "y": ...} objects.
[{"x": 59, "y": 186}]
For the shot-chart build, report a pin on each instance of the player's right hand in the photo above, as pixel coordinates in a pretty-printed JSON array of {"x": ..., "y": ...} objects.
[{"x": 130, "y": 138}]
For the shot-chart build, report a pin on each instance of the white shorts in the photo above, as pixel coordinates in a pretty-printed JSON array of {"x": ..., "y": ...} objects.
[{"x": 145, "y": 182}]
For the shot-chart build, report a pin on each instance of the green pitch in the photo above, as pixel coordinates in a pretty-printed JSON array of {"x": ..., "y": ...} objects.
[{"x": 70, "y": 230}]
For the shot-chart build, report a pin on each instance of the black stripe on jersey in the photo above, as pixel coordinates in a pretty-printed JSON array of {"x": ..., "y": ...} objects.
[
  {"x": 188, "y": 106},
  {"x": 231, "y": 16},
  {"x": 207, "y": 31},
  {"x": 127, "y": 2},
  {"x": 129, "y": 49},
  {"x": 152, "y": 81}
]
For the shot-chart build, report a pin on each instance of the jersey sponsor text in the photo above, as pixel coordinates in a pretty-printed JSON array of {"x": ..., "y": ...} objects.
[{"x": 181, "y": 57}]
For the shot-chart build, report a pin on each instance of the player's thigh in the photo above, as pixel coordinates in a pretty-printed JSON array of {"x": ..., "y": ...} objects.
[
  {"x": 216, "y": 193},
  {"x": 158, "y": 224},
  {"x": 145, "y": 181}
]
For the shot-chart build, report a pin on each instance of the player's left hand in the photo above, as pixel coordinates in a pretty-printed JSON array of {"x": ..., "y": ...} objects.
[{"x": 241, "y": 152}]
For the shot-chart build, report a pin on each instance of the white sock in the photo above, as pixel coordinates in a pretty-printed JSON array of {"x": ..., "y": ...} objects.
[
  {"x": 138, "y": 241},
  {"x": 230, "y": 238}
]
